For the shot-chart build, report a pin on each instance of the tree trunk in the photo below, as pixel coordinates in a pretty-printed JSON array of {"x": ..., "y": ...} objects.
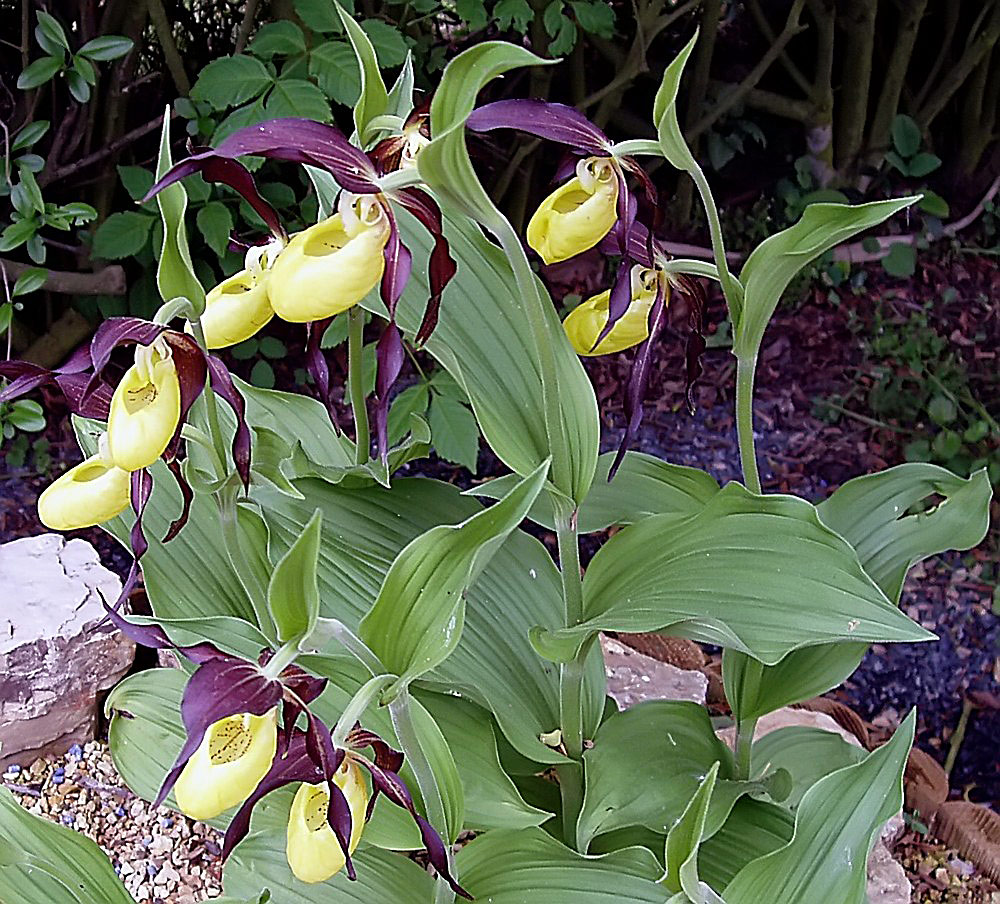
[{"x": 857, "y": 18}]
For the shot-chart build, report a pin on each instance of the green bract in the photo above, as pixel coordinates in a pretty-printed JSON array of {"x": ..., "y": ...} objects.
[{"x": 431, "y": 638}]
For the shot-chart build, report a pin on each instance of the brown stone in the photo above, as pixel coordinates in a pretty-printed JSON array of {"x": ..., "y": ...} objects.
[
  {"x": 54, "y": 660},
  {"x": 633, "y": 677}
]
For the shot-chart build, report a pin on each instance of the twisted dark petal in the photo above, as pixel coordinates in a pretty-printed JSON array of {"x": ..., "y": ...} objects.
[
  {"x": 398, "y": 266},
  {"x": 222, "y": 384},
  {"x": 696, "y": 343},
  {"x": 218, "y": 689},
  {"x": 94, "y": 404},
  {"x": 567, "y": 166},
  {"x": 318, "y": 368},
  {"x": 291, "y": 139},
  {"x": 189, "y": 362},
  {"x": 154, "y": 637},
  {"x": 238, "y": 177},
  {"x": 437, "y": 853},
  {"x": 648, "y": 189},
  {"x": 338, "y": 816},
  {"x": 441, "y": 266},
  {"x": 72, "y": 379},
  {"x": 556, "y": 122},
  {"x": 294, "y": 766},
  {"x": 329, "y": 759},
  {"x": 619, "y": 300},
  {"x": 141, "y": 489},
  {"x": 637, "y": 236},
  {"x": 390, "y": 356},
  {"x": 114, "y": 332},
  {"x": 187, "y": 496},
  {"x": 639, "y": 378},
  {"x": 305, "y": 686}
]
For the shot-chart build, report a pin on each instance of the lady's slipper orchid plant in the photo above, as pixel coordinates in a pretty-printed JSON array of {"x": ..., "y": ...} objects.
[
  {"x": 328, "y": 268},
  {"x": 236, "y": 753},
  {"x": 92, "y": 492}
]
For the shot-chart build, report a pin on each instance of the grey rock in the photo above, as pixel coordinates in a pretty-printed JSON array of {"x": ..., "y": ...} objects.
[
  {"x": 54, "y": 660},
  {"x": 633, "y": 677}
]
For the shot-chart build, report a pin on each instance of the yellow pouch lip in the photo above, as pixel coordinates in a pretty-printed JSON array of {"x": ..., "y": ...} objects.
[{"x": 88, "y": 494}]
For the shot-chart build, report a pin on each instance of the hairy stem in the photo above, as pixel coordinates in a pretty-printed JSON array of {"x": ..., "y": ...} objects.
[
  {"x": 355, "y": 369},
  {"x": 406, "y": 733}
]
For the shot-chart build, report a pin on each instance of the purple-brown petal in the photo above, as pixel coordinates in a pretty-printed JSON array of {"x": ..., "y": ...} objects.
[
  {"x": 187, "y": 497},
  {"x": 556, "y": 122},
  {"x": 318, "y": 368},
  {"x": 238, "y": 177},
  {"x": 222, "y": 384},
  {"x": 398, "y": 267},
  {"x": 390, "y": 356}
]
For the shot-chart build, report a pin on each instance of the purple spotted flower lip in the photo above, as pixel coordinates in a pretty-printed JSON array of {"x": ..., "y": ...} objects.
[
  {"x": 83, "y": 382},
  {"x": 324, "y": 146},
  {"x": 569, "y": 127},
  {"x": 224, "y": 685}
]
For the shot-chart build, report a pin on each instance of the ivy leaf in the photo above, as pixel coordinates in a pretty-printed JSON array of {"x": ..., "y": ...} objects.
[
  {"x": 454, "y": 432},
  {"x": 597, "y": 18},
  {"x": 516, "y": 14},
  {"x": 215, "y": 223},
  {"x": 335, "y": 68},
  {"x": 473, "y": 12},
  {"x": 231, "y": 80},
  {"x": 275, "y": 38},
  {"x": 122, "y": 235},
  {"x": 388, "y": 42},
  {"x": 297, "y": 97}
]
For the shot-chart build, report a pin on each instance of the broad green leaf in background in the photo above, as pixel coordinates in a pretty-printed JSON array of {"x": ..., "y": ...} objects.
[
  {"x": 417, "y": 620},
  {"x": 273, "y": 38},
  {"x": 175, "y": 273},
  {"x": 808, "y": 754},
  {"x": 760, "y": 574},
  {"x": 121, "y": 235},
  {"x": 106, "y": 47},
  {"x": 335, "y": 68},
  {"x": 296, "y": 97},
  {"x": 215, "y": 223},
  {"x": 870, "y": 512},
  {"x": 678, "y": 748},
  {"x": 775, "y": 261},
  {"x": 834, "y": 828},
  {"x": 387, "y": 40},
  {"x": 373, "y": 98},
  {"x": 454, "y": 432},
  {"x": 229, "y": 81},
  {"x": 42, "y": 863},
  {"x": 438, "y": 754},
  {"x": 494, "y": 664},
  {"x": 293, "y": 594},
  {"x": 684, "y": 840},
  {"x": 29, "y": 281},
  {"x": 518, "y": 867},
  {"x": 644, "y": 485}
]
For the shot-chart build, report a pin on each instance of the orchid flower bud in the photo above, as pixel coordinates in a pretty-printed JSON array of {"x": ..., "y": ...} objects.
[
  {"x": 91, "y": 493},
  {"x": 145, "y": 408},
  {"x": 313, "y": 852},
  {"x": 234, "y": 756},
  {"x": 331, "y": 266},
  {"x": 239, "y": 306},
  {"x": 578, "y": 214},
  {"x": 586, "y": 321}
]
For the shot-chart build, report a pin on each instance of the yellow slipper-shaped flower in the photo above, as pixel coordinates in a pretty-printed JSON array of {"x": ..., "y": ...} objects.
[
  {"x": 578, "y": 214},
  {"x": 145, "y": 409},
  {"x": 584, "y": 323},
  {"x": 237, "y": 308},
  {"x": 234, "y": 756},
  {"x": 312, "y": 849},
  {"x": 331, "y": 266},
  {"x": 91, "y": 493}
]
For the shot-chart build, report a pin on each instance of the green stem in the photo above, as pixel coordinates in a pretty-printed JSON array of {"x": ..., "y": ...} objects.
[
  {"x": 745, "y": 368},
  {"x": 571, "y": 791},
  {"x": 744, "y": 744},
  {"x": 730, "y": 288},
  {"x": 281, "y": 660},
  {"x": 248, "y": 578},
  {"x": 211, "y": 404},
  {"x": 355, "y": 369},
  {"x": 406, "y": 734}
]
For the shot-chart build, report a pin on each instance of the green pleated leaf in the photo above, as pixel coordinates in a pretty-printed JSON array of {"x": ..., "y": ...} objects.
[
  {"x": 175, "y": 272},
  {"x": 684, "y": 839},
  {"x": 754, "y": 829},
  {"x": 834, "y": 828},
  {"x": 259, "y": 862},
  {"x": 491, "y": 799},
  {"x": 775, "y": 261},
  {"x": 292, "y": 594},
  {"x": 644, "y": 485},
  {"x": 438, "y": 753},
  {"x": 494, "y": 664},
  {"x": 44, "y": 863},
  {"x": 417, "y": 619},
  {"x": 759, "y": 574},
  {"x": 374, "y": 98},
  {"x": 808, "y": 754},
  {"x": 531, "y": 867},
  {"x": 870, "y": 513},
  {"x": 678, "y": 746}
]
